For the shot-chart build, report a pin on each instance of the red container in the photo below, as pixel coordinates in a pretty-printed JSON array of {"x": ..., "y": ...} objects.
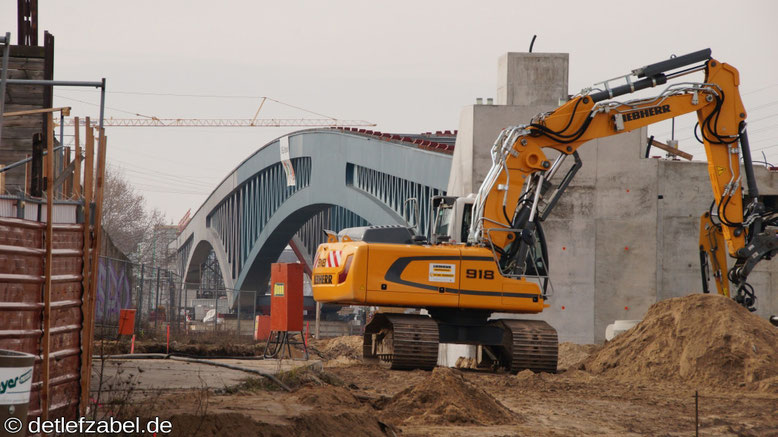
[
  {"x": 286, "y": 297},
  {"x": 126, "y": 322}
]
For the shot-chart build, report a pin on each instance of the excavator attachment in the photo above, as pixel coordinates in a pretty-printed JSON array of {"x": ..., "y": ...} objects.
[{"x": 713, "y": 255}]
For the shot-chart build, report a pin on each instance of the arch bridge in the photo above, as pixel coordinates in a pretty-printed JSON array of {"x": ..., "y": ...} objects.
[{"x": 297, "y": 185}]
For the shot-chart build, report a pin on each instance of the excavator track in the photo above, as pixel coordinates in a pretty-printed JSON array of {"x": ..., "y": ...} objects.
[
  {"x": 529, "y": 344},
  {"x": 405, "y": 341}
]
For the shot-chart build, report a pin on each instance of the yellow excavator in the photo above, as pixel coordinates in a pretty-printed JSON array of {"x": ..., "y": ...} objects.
[{"x": 487, "y": 254}]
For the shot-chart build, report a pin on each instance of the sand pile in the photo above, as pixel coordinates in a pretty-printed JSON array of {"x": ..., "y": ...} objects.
[
  {"x": 702, "y": 340},
  {"x": 571, "y": 355},
  {"x": 329, "y": 396},
  {"x": 445, "y": 397},
  {"x": 349, "y": 346}
]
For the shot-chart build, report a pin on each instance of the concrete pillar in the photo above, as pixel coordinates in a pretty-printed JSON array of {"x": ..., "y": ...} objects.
[
  {"x": 532, "y": 78},
  {"x": 527, "y": 84}
]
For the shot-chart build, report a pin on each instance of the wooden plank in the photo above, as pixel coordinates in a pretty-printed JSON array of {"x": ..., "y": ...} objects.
[
  {"x": 20, "y": 107},
  {"x": 2, "y": 180},
  {"x": 65, "y": 109},
  {"x": 24, "y": 89},
  {"x": 86, "y": 309},
  {"x": 46, "y": 340},
  {"x": 25, "y": 63},
  {"x": 19, "y": 133},
  {"x": 77, "y": 170},
  {"x": 16, "y": 73},
  {"x": 27, "y": 52},
  {"x": 671, "y": 150},
  {"x": 16, "y": 144},
  {"x": 64, "y": 174},
  {"x": 23, "y": 121},
  {"x": 25, "y": 99}
]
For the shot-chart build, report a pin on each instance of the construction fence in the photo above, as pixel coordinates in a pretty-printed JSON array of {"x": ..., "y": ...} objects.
[{"x": 161, "y": 300}]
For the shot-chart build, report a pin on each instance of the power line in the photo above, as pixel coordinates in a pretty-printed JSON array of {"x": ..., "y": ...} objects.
[
  {"x": 761, "y": 89},
  {"x": 209, "y": 96},
  {"x": 107, "y": 107},
  {"x": 226, "y": 122},
  {"x": 166, "y": 176},
  {"x": 169, "y": 182},
  {"x": 190, "y": 193}
]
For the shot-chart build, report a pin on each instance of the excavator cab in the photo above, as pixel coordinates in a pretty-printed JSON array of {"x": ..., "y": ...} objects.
[{"x": 451, "y": 217}]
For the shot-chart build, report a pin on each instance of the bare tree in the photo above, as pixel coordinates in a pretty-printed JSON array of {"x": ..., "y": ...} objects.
[{"x": 126, "y": 219}]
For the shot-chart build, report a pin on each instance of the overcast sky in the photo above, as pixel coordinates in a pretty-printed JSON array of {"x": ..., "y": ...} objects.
[{"x": 409, "y": 66}]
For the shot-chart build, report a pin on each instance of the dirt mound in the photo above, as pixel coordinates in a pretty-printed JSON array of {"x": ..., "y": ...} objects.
[
  {"x": 446, "y": 398},
  {"x": 349, "y": 346},
  {"x": 226, "y": 348},
  {"x": 701, "y": 340},
  {"x": 571, "y": 355},
  {"x": 315, "y": 423},
  {"x": 329, "y": 395}
]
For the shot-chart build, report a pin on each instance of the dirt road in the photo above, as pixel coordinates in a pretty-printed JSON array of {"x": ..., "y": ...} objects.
[{"x": 571, "y": 403}]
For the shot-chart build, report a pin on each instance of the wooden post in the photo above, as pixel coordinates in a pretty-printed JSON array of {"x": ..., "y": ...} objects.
[
  {"x": 2, "y": 180},
  {"x": 36, "y": 166},
  {"x": 87, "y": 311},
  {"x": 96, "y": 242},
  {"x": 67, "y": 184},
  {"x": 318, "y": 316},
  {"x": 45, "y": 342},
  {"x": 77, "y": 170},
  {"x": 27, "y": 175},
  {"x": 45, "y": 181}
]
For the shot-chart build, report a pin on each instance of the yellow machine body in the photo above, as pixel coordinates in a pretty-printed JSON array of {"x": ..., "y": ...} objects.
[{"x": 406, "y": 275}]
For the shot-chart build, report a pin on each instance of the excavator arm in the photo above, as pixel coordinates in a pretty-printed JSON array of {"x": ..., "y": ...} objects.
[{"x": 516, "y": 193}]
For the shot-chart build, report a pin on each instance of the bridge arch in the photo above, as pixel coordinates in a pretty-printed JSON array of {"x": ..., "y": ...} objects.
[{"x": 289, "y": 185}]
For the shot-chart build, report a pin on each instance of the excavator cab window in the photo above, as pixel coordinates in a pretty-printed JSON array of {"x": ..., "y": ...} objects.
[
  {"x": 443, "y": 220},
  {"x": 442, "y": 217},
  {"x": 467, "y": 218}
]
